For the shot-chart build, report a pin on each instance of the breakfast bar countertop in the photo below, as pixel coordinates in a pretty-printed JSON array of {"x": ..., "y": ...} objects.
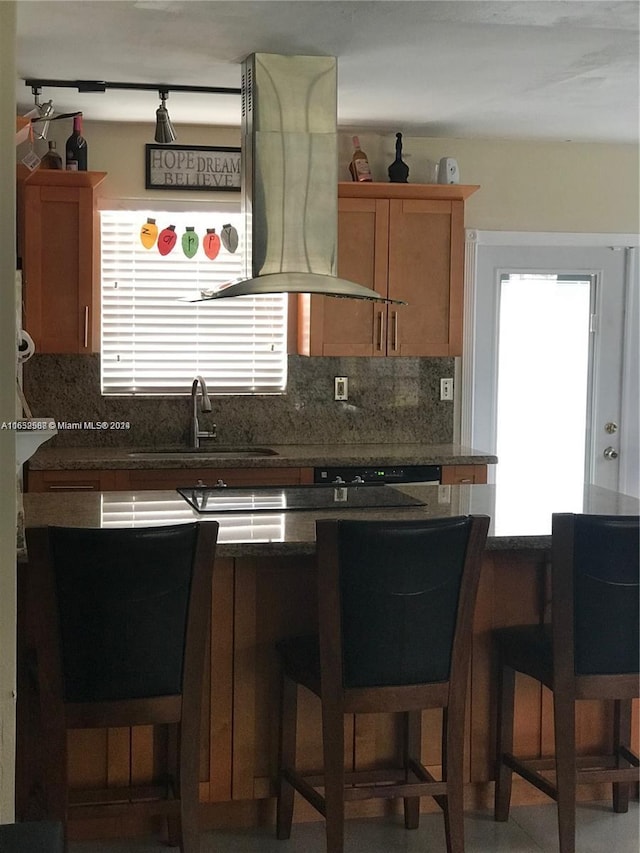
[{"x": 517, "y": 521}]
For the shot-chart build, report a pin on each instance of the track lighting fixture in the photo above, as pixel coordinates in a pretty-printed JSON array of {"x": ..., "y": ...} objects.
[{"x": 165, "y": 133}]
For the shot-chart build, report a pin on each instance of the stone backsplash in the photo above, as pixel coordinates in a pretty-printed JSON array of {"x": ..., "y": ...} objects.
[{"x": 390, "y": 400}]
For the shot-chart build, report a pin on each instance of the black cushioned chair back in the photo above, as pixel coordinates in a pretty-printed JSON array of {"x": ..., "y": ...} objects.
[
  {"x": 606, "y": 594},
  {"x": 122, "y": 603},
  {"x": 399, "y": 588}
]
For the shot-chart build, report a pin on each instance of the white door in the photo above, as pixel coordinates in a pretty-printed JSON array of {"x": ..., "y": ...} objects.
[{"x": 552, "y": 362}]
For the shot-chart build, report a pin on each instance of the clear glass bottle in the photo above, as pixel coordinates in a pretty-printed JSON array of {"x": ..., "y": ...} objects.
[
  {"x": 359, "y": 165},
  {"x": 51, "y": 160}
]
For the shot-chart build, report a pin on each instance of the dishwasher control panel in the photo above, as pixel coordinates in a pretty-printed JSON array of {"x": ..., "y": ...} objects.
[{"x": 378, "y": 474}]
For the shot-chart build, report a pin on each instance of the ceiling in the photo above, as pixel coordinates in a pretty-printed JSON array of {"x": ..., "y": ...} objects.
[{"x": 531, "y": 69}]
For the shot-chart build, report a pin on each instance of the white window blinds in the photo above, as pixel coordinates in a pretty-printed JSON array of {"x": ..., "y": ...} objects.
[{"x": 152, "y": 343}]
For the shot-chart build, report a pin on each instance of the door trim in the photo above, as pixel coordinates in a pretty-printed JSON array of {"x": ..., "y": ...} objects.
[
  {"x": 630, "y": 437},
  {"x": 549, "y": 238},
  {"x": 466, "y": 369}
]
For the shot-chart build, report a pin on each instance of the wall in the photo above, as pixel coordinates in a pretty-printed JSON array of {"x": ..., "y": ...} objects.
[
  {"x": 525, "y": 186},
  {"x": 535, "y": 186},
  {"x": 7, "y": 413},
  {"x": 390, "y": 400}
]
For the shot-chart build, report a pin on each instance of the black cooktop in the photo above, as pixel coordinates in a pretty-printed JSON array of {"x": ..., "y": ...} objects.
[{"x": 219, "y": 499}]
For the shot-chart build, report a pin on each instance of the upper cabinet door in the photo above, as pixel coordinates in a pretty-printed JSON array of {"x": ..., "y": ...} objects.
[
  {"x": 60, "y": 255},
  {"x": 332, "y": 326},
  {"x": 426, "y": 260}
]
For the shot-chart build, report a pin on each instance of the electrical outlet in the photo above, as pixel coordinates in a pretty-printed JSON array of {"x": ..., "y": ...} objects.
[
  {"x": 340, "y": 388},
  {"x": 446, "y": 389},
  {"x": 444, "y": 494}
]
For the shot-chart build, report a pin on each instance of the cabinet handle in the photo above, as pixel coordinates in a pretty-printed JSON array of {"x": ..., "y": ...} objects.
[
  {"x": 381, "y": 331},
  {"x": 86, "y": 326},
  {"x": 466, "y": 480},
  {"x": 395, "y": 331},
  {"x": 71, "y": 488}
]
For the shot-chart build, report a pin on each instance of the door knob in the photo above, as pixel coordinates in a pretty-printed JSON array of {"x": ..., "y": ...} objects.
[{"x": 610, "y": 453}]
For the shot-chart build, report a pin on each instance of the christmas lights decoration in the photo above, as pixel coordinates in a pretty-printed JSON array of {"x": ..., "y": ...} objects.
[
  {"x": 167, "y": 239},
  {"x": 190, "y": 241},
  {"x": 149, "y": 234},
  {"x": 211, "y": 244},
  {"x": 229, "y": 237}
]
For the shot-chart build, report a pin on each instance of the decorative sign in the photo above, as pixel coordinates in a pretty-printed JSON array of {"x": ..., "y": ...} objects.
[{"x": 192, "y": 167}]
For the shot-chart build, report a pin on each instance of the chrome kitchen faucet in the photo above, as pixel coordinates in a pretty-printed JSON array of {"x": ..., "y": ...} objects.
[{"x": 205, "y": 406}]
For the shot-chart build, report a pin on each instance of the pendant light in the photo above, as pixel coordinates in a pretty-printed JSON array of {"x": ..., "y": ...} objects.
[
  {"x": 41, "y": 113},
  {"x": 165, "y": 133}
]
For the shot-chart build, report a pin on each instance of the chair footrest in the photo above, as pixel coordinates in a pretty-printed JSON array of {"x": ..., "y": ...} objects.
[
  {"x": 111, "y": 796},
  {"x": 589, "y": 770},
  {"x": 115, "y": 802},
  {"x": 383, "y": 783}
]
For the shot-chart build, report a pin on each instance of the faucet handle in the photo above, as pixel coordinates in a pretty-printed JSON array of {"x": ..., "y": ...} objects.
[{"x": 208, "y": 433}]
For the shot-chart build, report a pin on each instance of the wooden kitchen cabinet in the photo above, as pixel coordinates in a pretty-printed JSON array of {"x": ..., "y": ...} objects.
[
  {"x": 59, "y": 242},
  {"x": 457, "y": 475},
  {"x": 142, "y": 479},
  {"x": 405, "y": 241},
  {"x": 77, "y": 481}
]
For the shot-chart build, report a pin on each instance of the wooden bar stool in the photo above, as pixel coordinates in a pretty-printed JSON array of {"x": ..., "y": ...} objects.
[
  {"x": 590, "y": 651},
  {"x": 396, "y": 602},
  {"x": 121, "y": 642}
]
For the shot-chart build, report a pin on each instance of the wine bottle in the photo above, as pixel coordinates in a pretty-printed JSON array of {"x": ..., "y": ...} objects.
[
  {"x": 359, "y": 165},
  {"x": 51, "y": 160},
  {"x": 76, "y": 148}
]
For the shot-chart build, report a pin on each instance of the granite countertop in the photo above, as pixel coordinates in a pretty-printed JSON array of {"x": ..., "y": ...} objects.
[
  {"x": 518, "y": 522},
  {"x": 285, "y": 456}
]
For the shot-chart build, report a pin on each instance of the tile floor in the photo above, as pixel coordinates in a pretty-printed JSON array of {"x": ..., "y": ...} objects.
[{"x": 531, "y": 829}]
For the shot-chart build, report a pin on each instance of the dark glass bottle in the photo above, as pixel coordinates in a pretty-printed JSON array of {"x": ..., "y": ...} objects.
[
  {"x": 51, "y": 160},
  {"x": 76, "y": 148},
  {"x": 398, "y": 170}
]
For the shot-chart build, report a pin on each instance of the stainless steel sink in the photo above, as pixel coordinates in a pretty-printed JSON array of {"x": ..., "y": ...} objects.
[{"x": 219, "y": 452}]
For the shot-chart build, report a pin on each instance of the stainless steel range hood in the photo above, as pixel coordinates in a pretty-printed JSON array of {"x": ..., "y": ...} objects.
[{"x": 289, "y": 180}]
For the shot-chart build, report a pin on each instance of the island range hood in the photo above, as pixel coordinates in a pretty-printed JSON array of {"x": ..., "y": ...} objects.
[{"x": 289, "y": 180}]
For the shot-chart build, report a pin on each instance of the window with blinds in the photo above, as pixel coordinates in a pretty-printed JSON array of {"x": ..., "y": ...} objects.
[{"x": 154, "y": 343}]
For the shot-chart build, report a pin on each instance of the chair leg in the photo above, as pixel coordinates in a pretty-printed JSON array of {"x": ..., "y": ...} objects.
[
  {"x": 504, "y": 741},
  {"x": 412, "y": 749},
  {"x": 621, "y": 737},
  {"x": 333, "y": 752},
  {"x": 174, "y": 824},
  {"x": 55, "y": 775},
  {"x": 453, "y": 773},
  {"x": 174, "y": 831},
  {"x": 189, "y": 793},
  {"x": 287, "y": 758},
  {"x": 565, "y": 746}
]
